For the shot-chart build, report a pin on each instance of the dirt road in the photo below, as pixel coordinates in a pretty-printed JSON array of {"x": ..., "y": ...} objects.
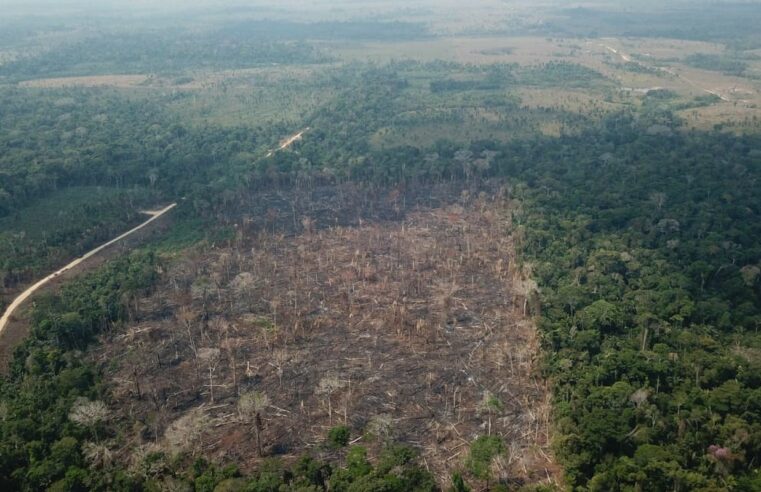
[
  {"x": 288, "y": 142},
  {"x": 626, "y": 58},
  {"x": 31, "y": 290}
]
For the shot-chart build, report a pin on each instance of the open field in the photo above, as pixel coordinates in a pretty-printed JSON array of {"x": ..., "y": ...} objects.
[
  {"x": 477, "y": 50},
  {"x": 121, "y": 81},
  {"x": 201, "y": 79},
  {"x": 636, "y": 65},
  {"x": 410, "y": 327}
]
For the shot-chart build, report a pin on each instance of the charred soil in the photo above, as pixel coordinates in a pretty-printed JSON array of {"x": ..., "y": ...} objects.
[{"x": 408, "y": 324}]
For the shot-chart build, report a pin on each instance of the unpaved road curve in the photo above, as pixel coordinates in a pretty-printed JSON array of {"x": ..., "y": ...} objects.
[{"x": 31, "y": 290}]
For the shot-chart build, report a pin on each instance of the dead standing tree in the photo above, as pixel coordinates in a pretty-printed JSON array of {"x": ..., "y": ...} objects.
[
  {"x": 187, "y": 318},
  {"x": 211, "y": 356},
  {"x": 89, "y": 414},
  {"x": 187, "y": 432},
  {"x": 329, "y": 385},
  {"x": 231, "y": 345},
  {"x": 250, "y": 408}
]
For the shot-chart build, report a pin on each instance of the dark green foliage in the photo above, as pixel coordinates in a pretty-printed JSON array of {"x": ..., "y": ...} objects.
[
  {"x": 462, "y": 85},
  {"x": 97, "y": 158},
  {"x": 311, "y": 473},
  {"x": 79, "y": 137},
  {"x": 720, "y": 63},
  {"x": 41, "y": 447},
  {"x": 396, "y": 471},
  {"x": 647, "y": 264},
  {"x": 159, "y": 52},
  {"x": 458, "y": 484},
  {"x": 338, "y": 437},
  {"x": 208, "y": 478},
  {"x": 561, "y": 74},
  {"x": 493, "y": 78},
  {"x": 482, "y": 451},
  {"x": 636, "y": 67},
  {"x": 172, "y": 51},
  {"x": 49, "y": 233}
]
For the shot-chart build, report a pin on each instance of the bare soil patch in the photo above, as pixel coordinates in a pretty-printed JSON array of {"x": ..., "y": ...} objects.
[
  {"x": 121, "y": 81},
  {"x": 399, "y": 329}
]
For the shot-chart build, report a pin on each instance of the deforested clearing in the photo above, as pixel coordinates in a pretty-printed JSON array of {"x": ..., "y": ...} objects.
[{"x": 400, "y": 318}]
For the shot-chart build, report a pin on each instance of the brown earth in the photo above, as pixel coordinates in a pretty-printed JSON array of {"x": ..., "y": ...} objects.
[{"x": 399, "y": 329}]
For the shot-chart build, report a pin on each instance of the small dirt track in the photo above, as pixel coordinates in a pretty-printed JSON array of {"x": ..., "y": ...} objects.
[
  {"x": 288, "y": 142},
  {"x": 31, "y": 290}
]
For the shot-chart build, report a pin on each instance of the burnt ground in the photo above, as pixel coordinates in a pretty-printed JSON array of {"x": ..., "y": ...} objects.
[{"x": 400, "y": 326}]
